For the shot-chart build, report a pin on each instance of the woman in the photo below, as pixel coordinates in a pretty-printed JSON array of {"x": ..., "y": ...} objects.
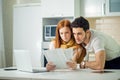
[{"x": 64, "y": 39}]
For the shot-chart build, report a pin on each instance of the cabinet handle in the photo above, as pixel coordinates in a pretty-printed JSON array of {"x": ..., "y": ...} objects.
[{"x": 103, "y": 9}]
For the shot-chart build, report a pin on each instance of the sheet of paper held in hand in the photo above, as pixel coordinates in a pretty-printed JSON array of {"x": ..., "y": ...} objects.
[{"x": 59, "y": 56}]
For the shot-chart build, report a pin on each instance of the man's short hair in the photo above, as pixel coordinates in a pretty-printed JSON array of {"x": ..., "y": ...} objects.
[{"x": 80, "y": 22}]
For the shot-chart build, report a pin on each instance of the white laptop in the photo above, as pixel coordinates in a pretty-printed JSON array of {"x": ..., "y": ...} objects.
[{"x": 24, "y": 62}]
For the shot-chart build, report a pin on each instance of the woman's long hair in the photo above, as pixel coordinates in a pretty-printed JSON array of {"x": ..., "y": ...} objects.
[
  {"x": 61, "y": 24},
  {"x": 58, "y": 40}
]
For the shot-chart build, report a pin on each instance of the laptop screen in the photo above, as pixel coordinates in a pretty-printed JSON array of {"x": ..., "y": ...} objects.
[{"x": 23, "y": 60}]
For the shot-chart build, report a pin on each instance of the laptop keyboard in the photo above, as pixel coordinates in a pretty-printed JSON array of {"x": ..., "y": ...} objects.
[{"x": 39, "y": 70}]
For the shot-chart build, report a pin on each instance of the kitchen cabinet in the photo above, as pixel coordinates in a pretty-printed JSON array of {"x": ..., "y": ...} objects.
[
  {"x": 99, "y": 8},
  {"x": 60, "y": 8},
  {"x": 113, "y": 7},
  {"x": 92, "y": 8}
]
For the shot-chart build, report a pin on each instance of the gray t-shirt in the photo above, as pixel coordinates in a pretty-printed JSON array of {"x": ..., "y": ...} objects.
[{"x": 100, "y": 41}]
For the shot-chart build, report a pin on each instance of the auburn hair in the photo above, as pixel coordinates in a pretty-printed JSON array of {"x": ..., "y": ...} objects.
[{"x": 61, "y": 24}]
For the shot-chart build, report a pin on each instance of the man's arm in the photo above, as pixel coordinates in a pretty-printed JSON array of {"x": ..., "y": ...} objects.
[{"x": 99, "y": 62}]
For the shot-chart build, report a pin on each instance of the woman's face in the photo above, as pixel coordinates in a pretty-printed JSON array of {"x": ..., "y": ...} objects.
[{"x": 65, "y": 34}]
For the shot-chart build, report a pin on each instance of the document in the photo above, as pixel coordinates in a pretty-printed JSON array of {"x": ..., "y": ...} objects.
[{"x": 59, "y": 56}]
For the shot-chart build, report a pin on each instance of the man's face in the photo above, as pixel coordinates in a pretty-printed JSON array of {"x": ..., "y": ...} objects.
[{"x": 79, "y": 35}]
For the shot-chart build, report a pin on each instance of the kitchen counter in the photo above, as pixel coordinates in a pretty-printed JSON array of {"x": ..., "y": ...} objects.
[{"x": 64, "y": 74}]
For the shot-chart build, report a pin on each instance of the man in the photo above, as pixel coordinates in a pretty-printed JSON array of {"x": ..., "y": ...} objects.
[{"x": 106, "y": 49}]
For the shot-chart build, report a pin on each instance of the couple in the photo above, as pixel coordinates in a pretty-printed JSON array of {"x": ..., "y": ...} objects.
[{"x": 82, "y": 39}]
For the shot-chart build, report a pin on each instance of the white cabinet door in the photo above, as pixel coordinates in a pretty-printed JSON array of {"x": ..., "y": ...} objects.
[
  {"x": 57, "y": 8},
  {"x": 92, "y": 8},
  {"x": 48, "y": 7},
  {"x": 112, "y": 7},
  {"x": 66, "y": 7}
]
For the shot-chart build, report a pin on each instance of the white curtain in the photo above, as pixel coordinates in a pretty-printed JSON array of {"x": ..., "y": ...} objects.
[{"x": 2, "y": 53}]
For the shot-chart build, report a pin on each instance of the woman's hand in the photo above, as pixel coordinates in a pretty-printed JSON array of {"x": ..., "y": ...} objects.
[
  {"x": 72, "y": 65},
  {"x": 50, "y": 66}
]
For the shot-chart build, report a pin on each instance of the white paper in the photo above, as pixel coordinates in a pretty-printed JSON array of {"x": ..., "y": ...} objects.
[{"x": 59, "y": 56}]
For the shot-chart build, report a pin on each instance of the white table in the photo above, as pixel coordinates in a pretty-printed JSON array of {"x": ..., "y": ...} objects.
[{"x": 81, "y": 74}]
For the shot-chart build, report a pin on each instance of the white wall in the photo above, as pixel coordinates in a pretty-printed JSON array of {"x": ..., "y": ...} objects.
[
  {"x": 8, "y": 29},
  {"x": 2, "y": 53}
]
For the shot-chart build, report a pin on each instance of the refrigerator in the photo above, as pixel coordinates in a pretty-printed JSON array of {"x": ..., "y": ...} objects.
[{"x": 27, "y": 31}]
